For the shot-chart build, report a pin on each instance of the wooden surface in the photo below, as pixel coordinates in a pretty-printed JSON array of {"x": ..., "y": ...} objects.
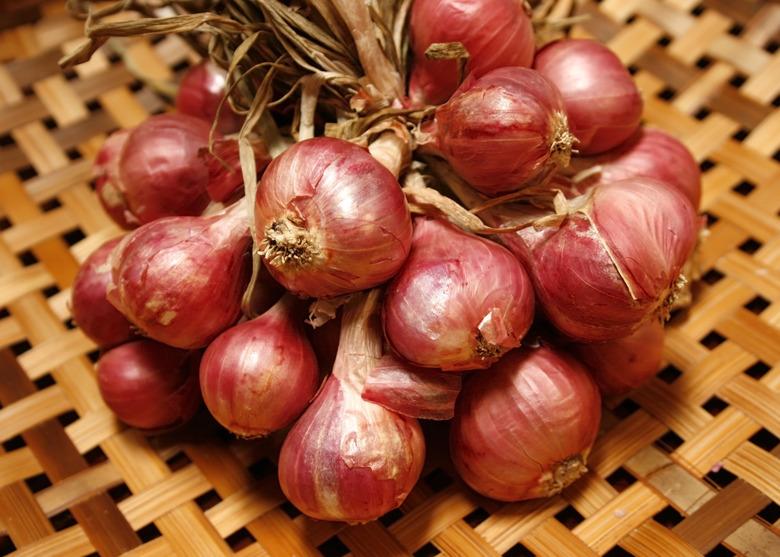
[{"x": 687, "y": 465}]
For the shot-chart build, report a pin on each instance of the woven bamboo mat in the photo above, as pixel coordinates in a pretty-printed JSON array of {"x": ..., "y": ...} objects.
[{"x": 687, "y": 465}]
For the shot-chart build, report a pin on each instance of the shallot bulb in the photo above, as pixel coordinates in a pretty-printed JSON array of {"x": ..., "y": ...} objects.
[
  {"x": 624, "y": 364},
  {"x": 149, "y": 385},
  {"x": 613, "y": 261},
  {"x": 496, "y": 33},
  {"x": 459, "y": 302},
  {"x": 602, "y": 101},
  {"x": 258, "y": 376},
  {"x": 412, "y": 391},
  {"x": 180, "y": 279},
  {"x": 653, "y": 154},
  {"x": 525, "y": 429},
  {"x": 92, "y": 312},
  {"x": 332, "y": 220},
  {"x": 503, "y": 129},
  {"x": 346, "y": 458},
  {"x": 200, "y": 93}
]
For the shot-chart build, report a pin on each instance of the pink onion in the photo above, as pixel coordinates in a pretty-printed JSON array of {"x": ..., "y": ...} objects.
[
  {"x": 346, "y": 458},
  {"x": 107, "y": 185},
  {"x": 503, "y": 129},
  {"x": 525, "y": 429},
  {"x": 613, "y": 261},
  {"x": 459, "y": 302},
  {"x": 496, "y": 33},
  {"x": 149, "y": 385},
  {"x": 602, "y": 101},
  {"x": 200, "y": 93},
  {"x": 180, "y": 279},
  {"x": 653, "y": 154},
  {"x": 92, "y": 312},
  {"x": 624, "y": 364},
  {"x": 258, "y": 376},
  {"x": 331, "y": 218},
  {"x": 412, "y": 391}
]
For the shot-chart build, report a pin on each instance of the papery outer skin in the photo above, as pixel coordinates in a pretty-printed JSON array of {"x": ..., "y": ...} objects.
[
  {"x": 92, "y": 312},
  {"x": 160, "y": 170},
  {"x": 602, "y": 101},
  {"x": 108, "y": 187},
  {"x": 535, "y": 409},
  {"x": 258, "y": 376},
  {"x": 224, "y": 167},
  {"x": 412, "y": 391},
  {"x": 453, "y": 289},
  {"x": 348, "y": 459},
  {"x": 149, "y": 385},
  {"x": 496, "y": 33},
  {"x": 200, "y": 92},
  {"x": 653, "y": 154},
  {"x": 180, "y": 280},
  {"x": 649, "y": 228},
  {"x": 352, "y": 206},
  {"x": 621, "y": 365},
  {"x": 497, "y": 130}
]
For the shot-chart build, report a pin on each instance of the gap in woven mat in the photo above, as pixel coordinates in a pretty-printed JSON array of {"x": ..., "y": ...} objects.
[
  {"x": 93, "y": 356},
  {"x": 6, "y": 545},
  {"x": 290, "y": 510},
  {"x": 334, "y": 547},
  {"x": 74, "y": 154},
  {"x": 95, "y": 456},
  {"x": 74, "y": 236},
  {"x": 519, "y": 550},
  {"x": 263, "y": 468},
  {"x": 50, "y": 123},
  {"x": 181, "y": 66},
  {"x": 669, "y": 442},
  {"x": 736, "y": 29},
  {"x": 148, "y": 533},
  {"x": 569, "y": 517},
  {"x": 428, "y": 550},
  {"x": 438, "y": 480},
  {"x": 704, "y": 62},
  {"x": 776, "y": 155},
  {"x": 738, "y": 80},
  {"x": 765, "y": 439},
  {"x": 68, "y": 418},
  {"x": 668, "y": 517},
  {"x": 38, "y": 482},
  {"x": 757, "y": 305},
  {"x": 20, "y": 347},
  {"x": 715, "y": 405},
  {"x": 620, "y": 479},
  {"x": 625, "y": 408},
  {"x": 4, "y": 313},
  {"x": 719, "y": 476},
  {"x": 5, "y": 224},
  {"x": 712, "y": 340},
  {"x": 15, "y": 442},
  {"x": 119, "y": 493},
  {"x": 664, "y": 41},
  {"x": 750, "y": 246},
  {"x": 94, "y": 106},
  {"x": 712, "y": 277},
  {"x": 44, "y": 381},
  {"x": 701, "y": 114},
  {"x": 50, "y": 291},
  {"x": 6, "y": 140},
  {"x": 770, "y": 514},
  {"x": 62, "y": 521},
  {"x": 28, "y": 91},
  {"x": 706, "y": 165},
  {"x": 50, "y": 205},
  {"x": 240, "y": 539},
  {"x": 388, "y": 519},
  {"x": 136, "y": 86},
  {"x": 698, "y": 9},
  {"x": 740, "y": 135},
  {"x": 26, "y": 173},
  {"x": 178, "y": 461},
  {"x": 667, "y": 93},
  {"x": 720, "y": 550},
  {"x": 772, "y": 46},
  {"x": 208, "y": 500},
  {"x": 776, "y": 101},
  {"x": 757, "y": 370},
  {"x": 745, "y": 187},
  {"x": 70, "y": 74},
  {"x": 618, "y": 551},
  {"x": 669, "y": 374},
  {"x": 27, "y": 258},
  {"x": 476, "y": 517}
]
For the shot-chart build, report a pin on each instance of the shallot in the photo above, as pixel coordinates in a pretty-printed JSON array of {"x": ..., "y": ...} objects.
[{"x": 201, "y": 91}]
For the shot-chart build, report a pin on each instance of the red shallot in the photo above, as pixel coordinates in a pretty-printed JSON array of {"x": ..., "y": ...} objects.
[
  {"x": 149, "y": 385},
  {"x": 459, "y": 302},
  {"x": 501, "y": 130},
  {"x": 200, "y": 93},
  {"x": 525, "y": 429},
  {"x": 258, "y": 376},
  {"x": 346, "y": 458},
  {"x": 613, "y": 261},
  {"x": 412, "y": 391},
  {"x": 331, "y": 219},
  {"x": 92, "y": 312},
  {"x": 623, "y": 364},
  {"x": 180, "y": 279},
  {"x": 496, "y": 33},
  {"x": 602, "y": 101}
]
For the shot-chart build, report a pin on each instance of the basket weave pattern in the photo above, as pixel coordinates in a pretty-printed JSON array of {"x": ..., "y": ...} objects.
[{"x": 688, "y": 464}]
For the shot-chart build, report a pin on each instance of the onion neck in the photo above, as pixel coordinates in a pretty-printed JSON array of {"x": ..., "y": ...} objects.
[
  {"x": 562, "y": 140},
  {"x": 562, "y": 474},
  {"x": 360, "y": 341},
  {"x": 288, "y": 244},
  {"x": 670, "y": 302}
]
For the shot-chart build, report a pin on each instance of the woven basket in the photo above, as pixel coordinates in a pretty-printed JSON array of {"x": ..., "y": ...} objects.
[{"x": 687, "y": 465}]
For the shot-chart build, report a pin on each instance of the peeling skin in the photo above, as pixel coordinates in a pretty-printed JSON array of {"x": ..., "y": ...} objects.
[{"x": 167, "y": 317}]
